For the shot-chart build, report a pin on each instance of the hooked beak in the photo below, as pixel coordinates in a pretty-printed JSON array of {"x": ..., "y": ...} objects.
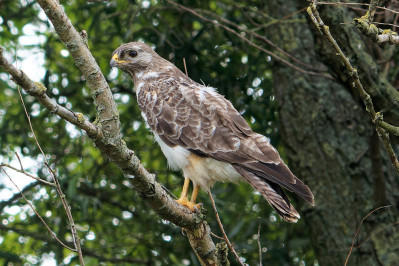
[{"x": 114, "y": 61}]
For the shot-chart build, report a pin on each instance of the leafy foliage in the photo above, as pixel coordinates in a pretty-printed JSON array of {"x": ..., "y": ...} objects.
[{"x": 114, "y": 224}]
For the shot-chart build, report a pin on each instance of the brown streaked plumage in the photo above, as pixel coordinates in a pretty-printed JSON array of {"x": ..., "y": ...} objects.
[{"x": 200, "y": 132}]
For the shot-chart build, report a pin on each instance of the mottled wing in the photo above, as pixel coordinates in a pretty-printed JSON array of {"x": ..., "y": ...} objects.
[{"x": 195, "y": 117}]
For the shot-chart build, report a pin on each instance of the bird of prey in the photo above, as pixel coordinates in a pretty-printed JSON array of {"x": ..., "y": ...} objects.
[{"x": 201, "y": 133}]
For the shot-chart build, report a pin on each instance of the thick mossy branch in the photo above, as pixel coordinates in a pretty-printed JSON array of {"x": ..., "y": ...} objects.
[
  {"x": 376, "y": 34},
  {"x": 205, "y": 249},
  {"x": 368, "y": 29}
]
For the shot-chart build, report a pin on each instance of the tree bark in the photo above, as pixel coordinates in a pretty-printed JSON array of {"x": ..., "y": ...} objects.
[{"x": 327, "y": 134}]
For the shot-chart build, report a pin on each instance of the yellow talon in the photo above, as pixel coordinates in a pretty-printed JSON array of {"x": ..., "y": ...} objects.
[
  {"x": 183, "y": 200},
  {"x": 189, "y": 204}
]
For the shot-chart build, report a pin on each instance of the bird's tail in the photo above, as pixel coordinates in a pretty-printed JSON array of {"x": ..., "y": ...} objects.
[{"x": 272, "y": 193}]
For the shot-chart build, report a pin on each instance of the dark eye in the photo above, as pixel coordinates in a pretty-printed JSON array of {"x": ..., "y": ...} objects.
[{"x": 133, "y": 53}]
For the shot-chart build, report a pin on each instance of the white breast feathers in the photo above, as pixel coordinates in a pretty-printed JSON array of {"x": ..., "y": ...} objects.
[{"x": 177, "y": 156}]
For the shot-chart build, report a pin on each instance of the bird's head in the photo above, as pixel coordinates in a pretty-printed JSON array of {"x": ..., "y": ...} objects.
[{"x": 133, "y": 57}]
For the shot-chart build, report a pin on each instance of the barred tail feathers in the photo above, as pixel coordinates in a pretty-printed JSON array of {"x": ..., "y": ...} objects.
[{"x": 272, "y": 193}]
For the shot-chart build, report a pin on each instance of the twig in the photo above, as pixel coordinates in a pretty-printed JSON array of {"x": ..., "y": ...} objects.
[
  {"x": 185, "y": 67},
  {"x": 218, "y": 237},
  {"x": 387, "y": 143},
  {"x": 388, "y": 24},
  {"x": 38, "y": 215},
  {"x": 372, "y": 9},
  {"x": 19, "y": 160},
  {"x": 358, "y": 228},
  {"x": 357, "y": 4},
  {"x": 259, "y": 245},
  {"x": 58, "y": 188},
  {"x": 375, "y": 117},
  {"x": 28, "y": 174},
  {"x": 223, "y": 232},
  {"x": 293, "y": 13},
  {"x": 216, "y": 23},
  {"x": 263, "y": 38},
  {"x": 17, "y": 196},
  {"x": 30, "y": 125},
  {"x": 373, "y": 233},
  {"x": 67, "y": 208}
]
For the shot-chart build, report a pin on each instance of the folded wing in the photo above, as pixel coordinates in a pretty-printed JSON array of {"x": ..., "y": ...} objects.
[{"x": 199, "y": 119}]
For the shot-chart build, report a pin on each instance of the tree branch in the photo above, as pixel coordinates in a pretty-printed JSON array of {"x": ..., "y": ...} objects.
[
  {"x": 27, "y": 174},
  {"x": 376, "y": 34},
  {"x": 223, "y": 232},
  {"x": 275, "y": 56},
  {"x": 38, "y": 91},
  {"x": 376, "y": 117},
  {"x": 105, "y": 132},
  {"x": 17, "y": 195},
  {"x": 38, "y": 215},
  {"x": 358, "y": 228},
  {"x": 364, "y": 24}
]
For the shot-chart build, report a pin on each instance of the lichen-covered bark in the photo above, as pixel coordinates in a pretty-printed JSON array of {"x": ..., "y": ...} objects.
[
  {"x": 109, "y": 140},
  {"x": 327, "y": 135}
]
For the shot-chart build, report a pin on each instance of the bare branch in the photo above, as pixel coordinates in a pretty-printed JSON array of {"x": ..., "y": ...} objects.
[
  {"x": 376, "y": 117},
  {"x": 31, "y": 127},
  {"x": 252, "y": 32},
  {"x": 358, "y": 228},
  {"x": 28, "y": 174},
  {"x": 223, "y": 232},
  {"x": 385, "y": 140},
  {"x": 16, "y": 196},
  {"x": 67, "y": 208},
  {"x": 259, "y": 245},
  {"x": 22, "y": 79},
  {"x": 357, "y": 4},
  {"x": 275, "y": 56},
  {"x": 19, "y": 160},
  {"x": 38, "y": 215}
]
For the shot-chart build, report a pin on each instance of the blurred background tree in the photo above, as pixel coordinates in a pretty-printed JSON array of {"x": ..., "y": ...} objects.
[{"x": 315, "y": 120}]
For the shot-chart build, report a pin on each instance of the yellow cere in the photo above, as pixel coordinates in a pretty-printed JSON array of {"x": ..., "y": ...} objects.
[{"x": 115, "y": 57}]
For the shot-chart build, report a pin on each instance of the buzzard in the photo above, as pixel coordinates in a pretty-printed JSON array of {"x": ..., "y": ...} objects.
[{"x": 201, "y": 133}]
